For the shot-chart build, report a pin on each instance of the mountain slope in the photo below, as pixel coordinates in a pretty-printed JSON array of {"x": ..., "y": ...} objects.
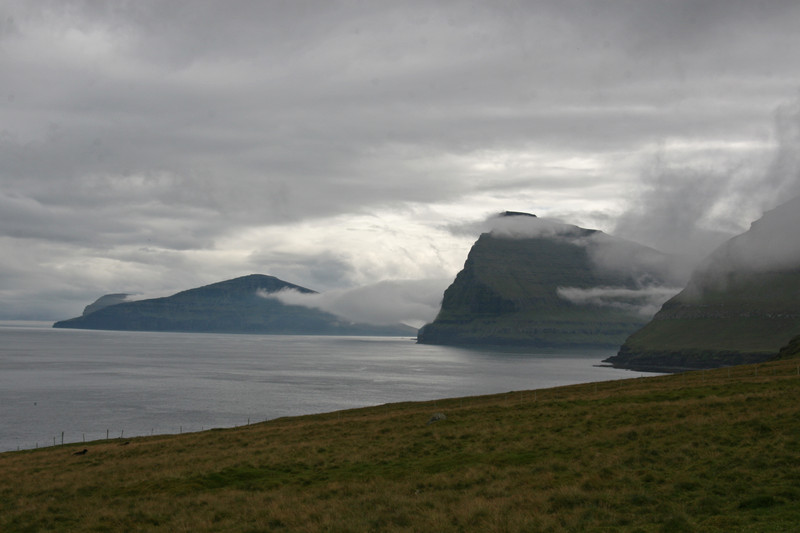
[
  {"x": 233, "y": 306},
  {"x": 105, "y": 301},
  {"x": 742, "y": 305},
  {"x": 791, "y": 350},
  {"x": 536, "y": 282}
]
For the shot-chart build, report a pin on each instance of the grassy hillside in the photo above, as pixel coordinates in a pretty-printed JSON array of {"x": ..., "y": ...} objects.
[
  {"x": 741, "y": 305},
  {"x": 704, "y": 451},
  {"x": 742, "y": 318}
]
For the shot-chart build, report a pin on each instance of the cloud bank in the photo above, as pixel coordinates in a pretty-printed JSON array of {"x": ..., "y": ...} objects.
[
  {"x": 691, "y": 210},
  {"x": 411, "y": 302},
  {"x": 155, "y": 146},
  {"x": 771, "y": 244},
  {"x": 528, "y": 227},
  {"x": 644, "y": 301}
]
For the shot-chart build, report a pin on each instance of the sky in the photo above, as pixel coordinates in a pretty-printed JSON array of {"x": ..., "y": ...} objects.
[{"x": 150, "y": 147}]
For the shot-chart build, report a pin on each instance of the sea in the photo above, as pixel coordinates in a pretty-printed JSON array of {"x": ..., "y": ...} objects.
[{"x": 65, "y": 386}]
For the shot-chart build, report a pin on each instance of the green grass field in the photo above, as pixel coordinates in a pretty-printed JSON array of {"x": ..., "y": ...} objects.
[{"x": 703, "y": 451}]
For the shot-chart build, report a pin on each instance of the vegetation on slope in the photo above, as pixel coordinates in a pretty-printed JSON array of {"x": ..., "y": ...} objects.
[
  {"x": 792, "y": 349},
  {"x": 742, "y": 305},
  {"x": 702, "y": 451},
  {"x": 507, "y": 293},
  {"x": 722, "y": 319}
]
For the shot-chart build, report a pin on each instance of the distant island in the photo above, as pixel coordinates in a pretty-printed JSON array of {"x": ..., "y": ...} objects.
[
  {"x": 240, "y": 305},
  {"x": 543, "y": 283}
]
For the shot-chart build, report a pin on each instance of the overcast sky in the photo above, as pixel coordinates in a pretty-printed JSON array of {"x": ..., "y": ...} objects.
[{"x": 155, "y": 146}]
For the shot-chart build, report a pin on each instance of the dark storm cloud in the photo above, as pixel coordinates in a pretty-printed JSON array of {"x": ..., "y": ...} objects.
[{"x": 134, "y": 130}]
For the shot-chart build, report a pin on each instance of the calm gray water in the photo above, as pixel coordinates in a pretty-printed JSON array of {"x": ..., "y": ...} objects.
[{"x": 87, "y": 383}]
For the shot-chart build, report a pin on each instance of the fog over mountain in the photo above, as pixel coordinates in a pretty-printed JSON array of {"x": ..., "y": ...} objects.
[
  {"x": 149, "y": 147},
  {"x": 740, "y": 306},
  {"x": 411, "y": 302},
  {"x": 659, "y": 276},
  {"x": 771, "y": 244}
]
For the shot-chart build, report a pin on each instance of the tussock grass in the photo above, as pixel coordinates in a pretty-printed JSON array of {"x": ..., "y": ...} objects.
[{"x": 702, "y": 451}]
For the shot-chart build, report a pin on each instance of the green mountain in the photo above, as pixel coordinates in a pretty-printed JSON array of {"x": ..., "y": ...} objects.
[
  {"x": 542, "y": 283},
  {"x": 742, "y": 305},
  {"x": 233, "y": 306}
]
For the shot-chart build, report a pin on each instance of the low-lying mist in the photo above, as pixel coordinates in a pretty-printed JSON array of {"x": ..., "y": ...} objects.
[{"x": 411, "y": 302}]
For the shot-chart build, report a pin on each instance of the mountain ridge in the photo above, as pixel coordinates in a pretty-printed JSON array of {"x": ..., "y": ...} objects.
[{"x": 231, "y": 306}]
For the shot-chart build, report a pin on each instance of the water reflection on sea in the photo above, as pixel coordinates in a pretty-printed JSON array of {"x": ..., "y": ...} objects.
[{"x": 90, "y": 383}]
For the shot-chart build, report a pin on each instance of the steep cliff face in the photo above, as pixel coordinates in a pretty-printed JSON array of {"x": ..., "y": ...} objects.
[
  {"x": 545, "y": 284},
  {"x": 741, "y": 306},
  {"x": 232, "y": 306}
]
